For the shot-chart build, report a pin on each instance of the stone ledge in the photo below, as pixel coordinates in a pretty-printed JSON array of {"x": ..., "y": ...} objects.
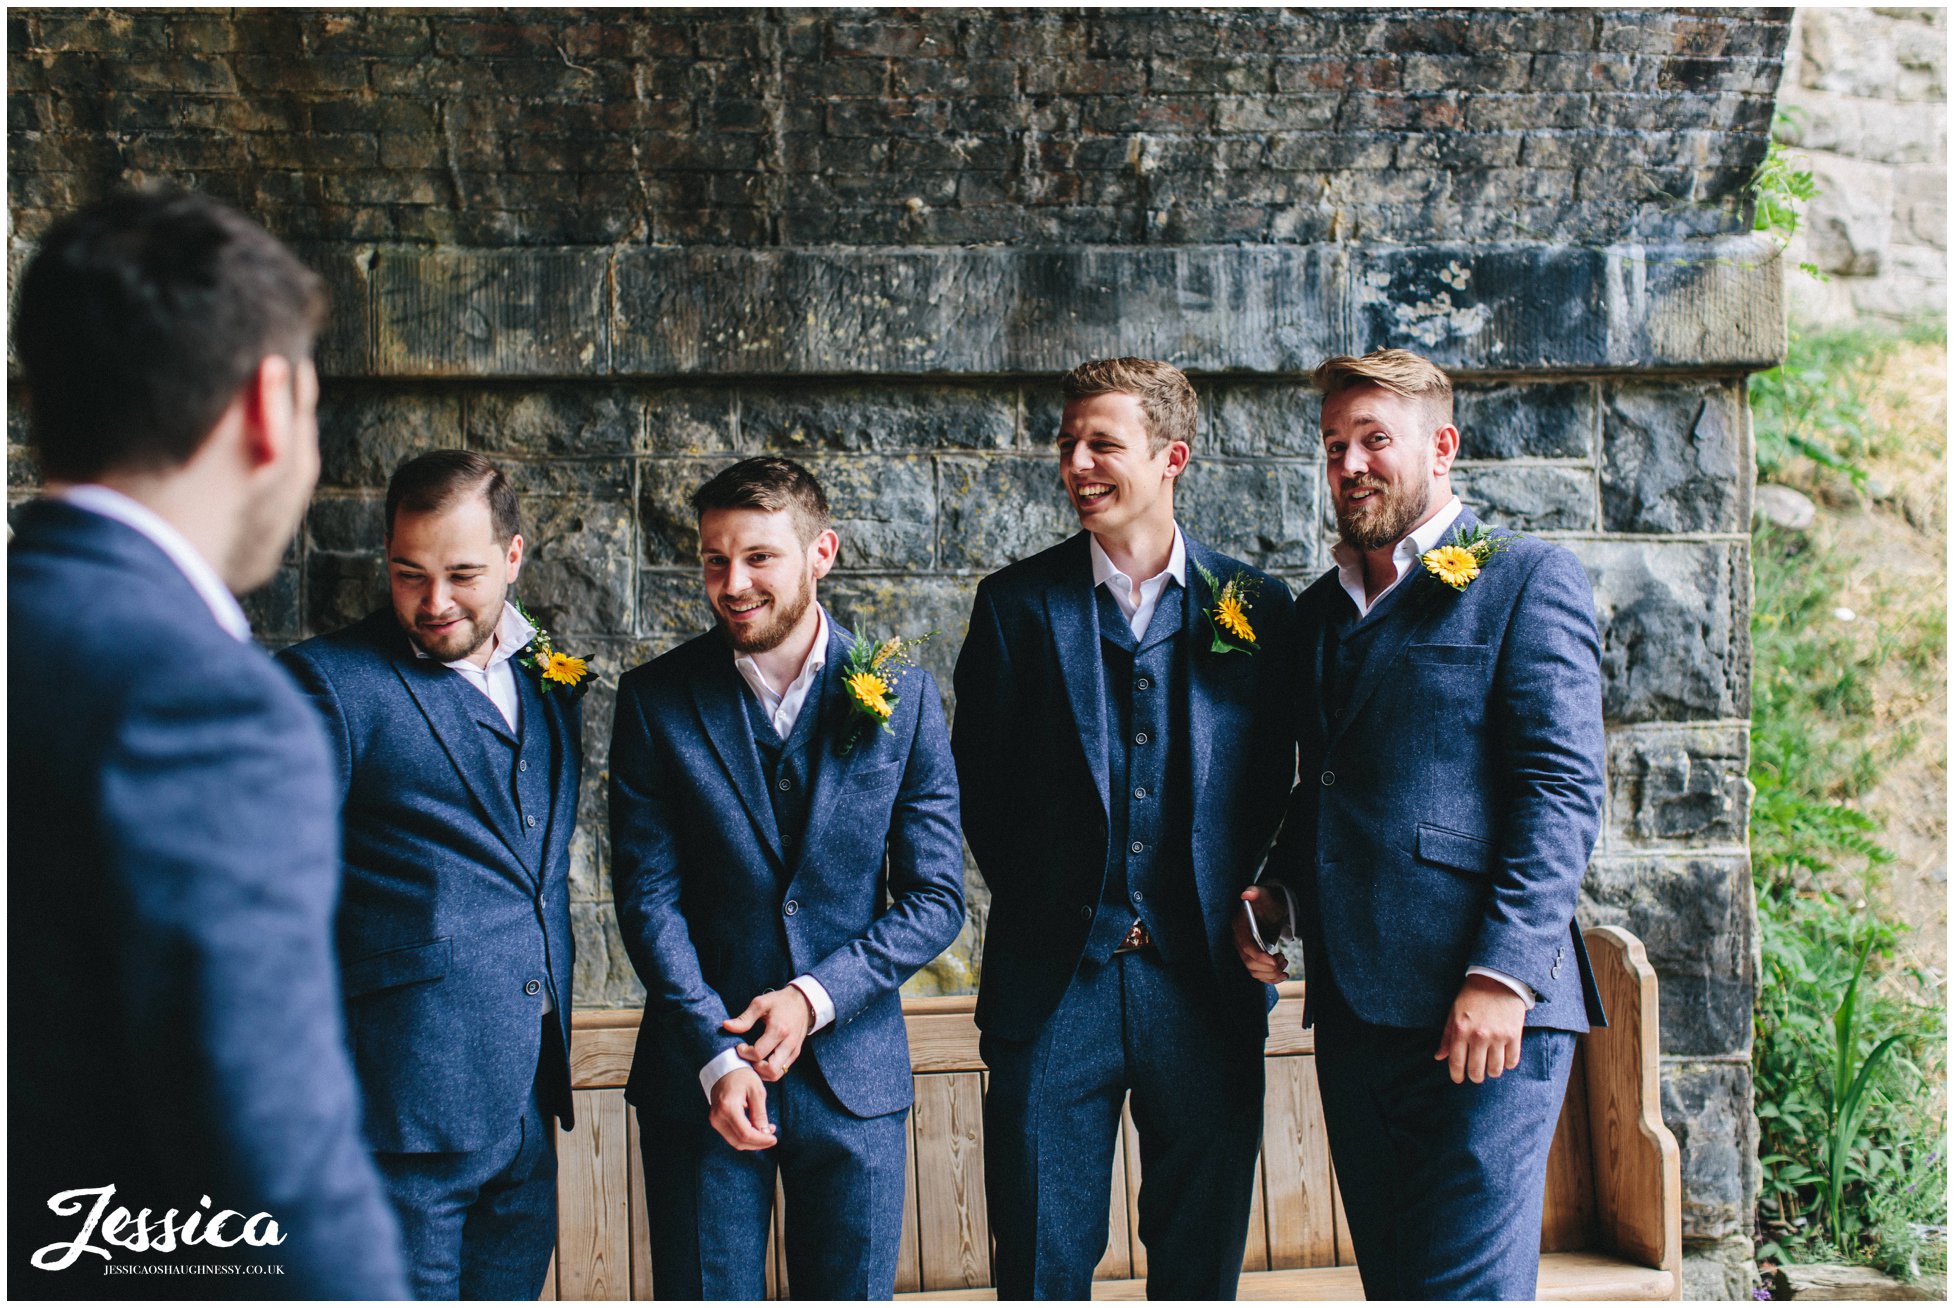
[{"x": 1711, "y": 305}]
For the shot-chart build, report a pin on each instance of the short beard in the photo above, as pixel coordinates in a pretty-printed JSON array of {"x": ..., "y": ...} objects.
[
  {"x": 474, "y": 633},
  {"x": 1397, "y": 512},
  {"x": 787, "y": 613}
]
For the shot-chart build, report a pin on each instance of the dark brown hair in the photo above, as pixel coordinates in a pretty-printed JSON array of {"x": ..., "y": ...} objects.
[
  {"x": 772, "y": 484},
  {"x": 1166, "y": 396},
  {"x": 141, "y": 317},
  {"x": 432, "y": 482}
]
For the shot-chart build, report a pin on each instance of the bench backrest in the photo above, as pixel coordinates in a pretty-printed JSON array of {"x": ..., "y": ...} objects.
[{"x": 1613, "y": 1181}]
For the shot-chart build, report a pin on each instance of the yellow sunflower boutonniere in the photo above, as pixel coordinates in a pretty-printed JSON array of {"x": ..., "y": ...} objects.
[
  {"x": 555, "y": 671},
  {"x": 1459, "y": 561},
  {"x": 1228, "y": 615},
  {"x": 870, "y": 677}
]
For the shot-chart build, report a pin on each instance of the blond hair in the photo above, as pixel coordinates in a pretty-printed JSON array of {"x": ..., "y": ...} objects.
[
  {"x": 1165, "y": 395},
  {"x": 1399, "y": 371}
]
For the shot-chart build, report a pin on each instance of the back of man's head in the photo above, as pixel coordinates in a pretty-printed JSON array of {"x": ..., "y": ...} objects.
[{"x": 141, "y": 317}]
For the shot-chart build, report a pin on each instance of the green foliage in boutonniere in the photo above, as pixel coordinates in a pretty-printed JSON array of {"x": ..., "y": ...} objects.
[
  {"x": 555, "y": 670},
  {"x": 1228, "y": 615},
  {"x": 870, "y": 678},
  {"x": 1459, "y": 562}
]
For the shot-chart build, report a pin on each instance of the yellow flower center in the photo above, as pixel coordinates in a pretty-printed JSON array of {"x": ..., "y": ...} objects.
[
  {"x": 1234, "y": 619},
  {"x": 562, "y": 668},
  {"x": 871, "y": 692},
  {"x": 1452, "y": 564}
]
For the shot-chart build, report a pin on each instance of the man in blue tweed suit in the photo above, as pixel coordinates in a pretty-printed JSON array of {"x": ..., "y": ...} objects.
[
  {"x": 1122, "y": 738},
  {"x": 1449, "y": 716},
  {"x": 782, "y": 862},
  {"x": 172, "y": 852},
  {"x": 458, "y": 763}
]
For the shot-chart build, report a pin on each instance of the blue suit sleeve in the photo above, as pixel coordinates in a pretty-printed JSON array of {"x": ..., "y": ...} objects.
[
  {"x": 318, "y": 688},
  {"x": 982, "y": 743},
  {"x": 645, "y": 884},
  {"x": 226, "y": 863},
  {"x": 926, "y": 908},
  {"x": 1546, "y": 700}
]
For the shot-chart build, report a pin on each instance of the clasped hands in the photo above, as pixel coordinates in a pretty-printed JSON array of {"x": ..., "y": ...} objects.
[
  {"x": 739, "y": 1099},
  {"x": 1482, "y": 1033}
]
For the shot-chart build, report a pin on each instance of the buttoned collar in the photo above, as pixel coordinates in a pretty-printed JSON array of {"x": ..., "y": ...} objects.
[{"x": 1104, "y": 570}]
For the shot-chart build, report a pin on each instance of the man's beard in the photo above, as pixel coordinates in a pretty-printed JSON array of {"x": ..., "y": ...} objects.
[
  {"x": 474, "y": 632},
  {"x": 787, "y": 613},
  {"x": 1387, "y": 516}
]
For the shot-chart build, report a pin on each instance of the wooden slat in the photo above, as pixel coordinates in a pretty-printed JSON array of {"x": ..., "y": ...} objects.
[
  {"x": 952, "y": 1225},
  {"x": 909, "y": 1266},
  {"x": 549, "y": 1282},
  {"x": 1116, "y": 1264},
  {"x": 1346, "y": 1250},
  {"x": 1567, "y": 1219},
  {"x": 1296, "y": 1157},
  {"x": 1563, "y": 1277},
  {"x": 601, "y": 1044},
  {"x": 634, "y": 1171},
  {"x": 593, "y": 1239},
  {"x": 1638, "y": 1186},
  {"x": 1130, "y": 1145},
  {"x": 1287, "y": 1034},
  {"x": 780, "y": 1287},
  {"x": 1255, "y": 1254},
  {"x": 942, "y": 1041}
]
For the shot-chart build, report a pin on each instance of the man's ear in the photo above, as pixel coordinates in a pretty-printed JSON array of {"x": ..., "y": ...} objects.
[
  {"x": 515, "y": 556},
  {"x": 266, "y": 404},
  {"x": 824, "y": 549},
  {"x": 1178, "y": 454},
  {"x": 1445, "y": 448}
]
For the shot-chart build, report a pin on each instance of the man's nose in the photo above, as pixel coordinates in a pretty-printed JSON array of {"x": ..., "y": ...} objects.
[
  {"x": 737, "y": 578},
  {"x": 439, "y": 596},
  {"x": 1079, "y": 459}
]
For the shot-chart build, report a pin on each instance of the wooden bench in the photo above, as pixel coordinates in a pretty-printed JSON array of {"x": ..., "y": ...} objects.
[{"x": 1613, "y": 1225}]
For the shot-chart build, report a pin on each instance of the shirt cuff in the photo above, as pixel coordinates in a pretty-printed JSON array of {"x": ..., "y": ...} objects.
[
  {"x": 818, "y": 999},
  {"x": 709, "y": 1075},
  {"x": 1518, "y": 987}
]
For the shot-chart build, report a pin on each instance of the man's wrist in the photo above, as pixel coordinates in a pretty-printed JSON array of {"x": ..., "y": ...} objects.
[
  {"x": 820, "y": 1005},
  {"x": 726, "y": 1060}
]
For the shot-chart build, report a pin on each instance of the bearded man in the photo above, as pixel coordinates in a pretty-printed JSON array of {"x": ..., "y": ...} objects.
[
  {"x": 458, "y": 746},
  {"x": 1449, "y": 720},
  {"x": 785, "y": 854}
]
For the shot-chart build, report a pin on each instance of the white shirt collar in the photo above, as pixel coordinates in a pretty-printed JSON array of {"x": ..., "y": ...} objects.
[
  {"x": 1350, "y": 563},
  {"x": 1103, "y": 569},
  {"x": 512, "y": 632},
  {"x": 109, "y": 503},
  {"x": 784, "y": 706}
]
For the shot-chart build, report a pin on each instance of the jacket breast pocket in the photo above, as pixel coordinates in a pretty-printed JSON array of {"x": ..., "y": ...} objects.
[
  {"x": 1447, "y": 655},
  {"x": 391, "y": 968},
  {"x": 870, "y": 776},
  {"x": 1455, "y": 850}
]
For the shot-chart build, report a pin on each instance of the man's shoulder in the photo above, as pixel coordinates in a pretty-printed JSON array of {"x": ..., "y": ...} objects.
[
  {"x": 1030, "y": 577},
  {"x": 676, "y": 667},
  {"x": 372, "y": 642}
]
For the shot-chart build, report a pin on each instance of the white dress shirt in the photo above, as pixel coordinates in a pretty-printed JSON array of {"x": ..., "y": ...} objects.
[
  {"x": 783, "y": 711},
  {"x": 195, "y": 568},
  {"x": 1350, "y": 575},
  {"x": 498, "y": 679},
  {"x": 1139, "y": 613}
]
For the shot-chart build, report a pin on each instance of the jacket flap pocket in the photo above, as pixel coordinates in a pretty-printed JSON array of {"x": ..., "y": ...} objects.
[
  {"x": 397, "y": 967},
  {"x": 1454, "y": 850},
  {"x": 1446, "y": 653}
]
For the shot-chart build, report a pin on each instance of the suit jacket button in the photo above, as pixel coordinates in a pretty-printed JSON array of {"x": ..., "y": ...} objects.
[
  {"x": 785, "y": 784},
  {"x": 790, "y": 908},
  {"x": 530, "y": 820},
  {"x": 531, "y": 987},
  {"x": 1554, "y": 971},
  {"x": 1329, "y": 778},
  {"x": 1085, "y": 911},
  {"x": 522, "y": 765}
]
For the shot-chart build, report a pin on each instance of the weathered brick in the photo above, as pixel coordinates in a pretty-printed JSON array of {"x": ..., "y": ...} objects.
[
  {"x": 1667, "y": 449},
  {"x": 365, "y": 432},
  {"x": 1550, "y": 420},
  {"x": 858, "y": 418},
  {"x": 1529, "y": 497}
]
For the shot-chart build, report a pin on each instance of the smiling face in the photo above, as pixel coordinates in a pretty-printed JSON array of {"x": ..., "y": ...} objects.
[
  {"x": 759, "y": 575},
  {"x": 1113, "y": 478},
  {"x": 449, "y": 577},
  {"x": 1386, "y": 462}
]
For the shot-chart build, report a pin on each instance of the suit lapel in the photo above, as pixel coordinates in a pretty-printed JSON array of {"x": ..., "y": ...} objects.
[
  {"x": 1074, "y": 621},
  {"x": 716, "y": 692},
  {"x": 457, "y": 721},
  {"x": 566, "y": 777},
  {"x": 1198, "y": 641},
  {"x": 1318, "y": 601},
  {"x": 830, "y": 766}
]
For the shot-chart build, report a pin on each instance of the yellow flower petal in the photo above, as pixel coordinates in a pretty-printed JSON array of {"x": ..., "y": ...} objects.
[
  {"x": 1452, "y": 564},
  {"x": 871, "y": 692},
  {"x": 1234, "y": 618},
  {"x": 562, "y": 668}
]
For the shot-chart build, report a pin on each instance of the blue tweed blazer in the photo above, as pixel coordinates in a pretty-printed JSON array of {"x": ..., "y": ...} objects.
[
  {"x": 174, "y": 861},
  {"x": 713, "y": 913},
  {"x": 1445, "y": 817}
]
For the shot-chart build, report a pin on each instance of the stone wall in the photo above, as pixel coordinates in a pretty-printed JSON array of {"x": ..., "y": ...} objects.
[
  {"x": 1865, "y": 99},
  {"x": 618, "y": 250}
]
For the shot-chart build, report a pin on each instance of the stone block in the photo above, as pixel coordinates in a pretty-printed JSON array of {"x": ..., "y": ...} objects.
[
  {"x": 856, "y": 418},
  {"x": 577, "y": 420},
  {"x": 365, "y": 431},
  {"x": 1528, "y": 497},
  {"x": 579, "y": 574},
  {"x": 1553, "y": 420},
  {"x": 1250, "y": 418},
  {"x": 1876, "y": 130},
  {"x": 997, "y": 510},
  {"x": 1724, "y": 1269},
  {"x": 342, "y": 588},
  {"x": 343, "y": 524},
  {"x": 694, "y": 420},
  {"x": 274, "y": 607},
  {"x": 1678, "y": 788},
  {"x": 671, "y": 609},
  {"x": 1675, "y": 458},
  {"x": 1262, "y": 512},
  {"x": 603, "y": 976},
  {"x": 1675, "y": 642},
  {"x": 884, "y": 509},
  {"x": 514, "y": 313},
  {"x": 1849, "y": 223},
  {"x": 879, "y": 605},
  {"x": 1695, "y": 917},
  {"x": 1708, "y": 1106}
]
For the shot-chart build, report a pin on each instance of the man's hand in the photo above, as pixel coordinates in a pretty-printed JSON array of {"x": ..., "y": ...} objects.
[
  {"x": 739, "y": 1110},
  {"x": 1270, "y": 917},
  {"x": 788, "y": 1015},
  {"x": 1482, "y": 1035}
]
